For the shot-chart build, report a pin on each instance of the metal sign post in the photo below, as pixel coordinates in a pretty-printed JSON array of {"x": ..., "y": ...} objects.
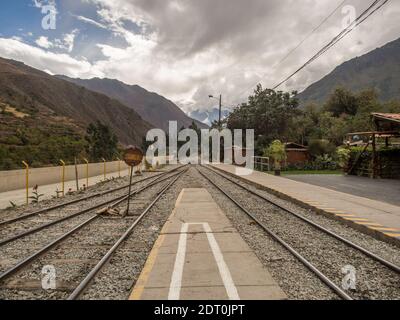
[
  {"x": 129, "y": 192},
  {"x": 133, "y": 157}
]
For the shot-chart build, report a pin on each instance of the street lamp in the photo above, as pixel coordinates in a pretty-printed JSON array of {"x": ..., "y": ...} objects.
[{"x": 220, "y": 108}]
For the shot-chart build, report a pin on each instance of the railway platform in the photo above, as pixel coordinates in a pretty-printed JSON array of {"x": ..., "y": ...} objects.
[
  {"x": 377, "y": 218},
  {"x": 199, "y": 255}
]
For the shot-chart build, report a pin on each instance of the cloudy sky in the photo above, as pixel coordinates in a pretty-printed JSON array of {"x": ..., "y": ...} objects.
[{"x": 188, "y": 49}]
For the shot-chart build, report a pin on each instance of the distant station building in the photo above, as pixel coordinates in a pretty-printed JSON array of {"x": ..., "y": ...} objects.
[{"x": 379, "y": 155}]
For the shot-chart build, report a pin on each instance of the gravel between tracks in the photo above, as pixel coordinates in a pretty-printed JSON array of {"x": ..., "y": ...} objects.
[
  {"x": 72, "y": 258},
  {"x": 75, "y": 256},
  {"x": 374, "y": 281}
]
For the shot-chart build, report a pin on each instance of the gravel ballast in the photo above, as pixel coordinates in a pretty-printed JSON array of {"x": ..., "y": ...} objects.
[
  {"x": 374, "y": 281},
  {"x": 76, "y": 256}
]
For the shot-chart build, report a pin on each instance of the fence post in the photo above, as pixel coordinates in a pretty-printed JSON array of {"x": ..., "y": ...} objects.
[
  {"x": 26, "y": 180},
  {"x": 87, "y": 172},
  {"x": 63, "y": 177},
  {"x": 76, "y": 175},
  {"x": 119, "y": 167},
  {"x": 105, "y": 168}
]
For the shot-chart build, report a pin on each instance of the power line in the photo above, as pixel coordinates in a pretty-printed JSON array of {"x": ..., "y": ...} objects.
[
  {"x": 302, "y": 41},
  {"x": 311, "y": 33},
  {"x": 364, "y": 16}
]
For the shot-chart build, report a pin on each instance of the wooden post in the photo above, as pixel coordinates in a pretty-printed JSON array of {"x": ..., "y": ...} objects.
[
  {"x": 374, "y": 159},
  {"x": 129, "y": 193}
]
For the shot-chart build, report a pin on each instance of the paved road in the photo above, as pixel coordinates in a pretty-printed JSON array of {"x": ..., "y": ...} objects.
[{"x": 382, "y": 190}]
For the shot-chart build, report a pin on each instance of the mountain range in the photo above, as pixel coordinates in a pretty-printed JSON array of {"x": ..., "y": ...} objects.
[
  {"x": 378, "y": 69},
  {"x": 152, "y": 107},
  {"x": 36, "y": 100},
  {"x": 208, "y": 117}
]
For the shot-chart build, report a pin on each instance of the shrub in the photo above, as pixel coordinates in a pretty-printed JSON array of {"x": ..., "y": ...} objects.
[
  {"x": 276, "y": 151},
  {"x": 343, "y": 156},
  {"x": 320, "y": 148}
]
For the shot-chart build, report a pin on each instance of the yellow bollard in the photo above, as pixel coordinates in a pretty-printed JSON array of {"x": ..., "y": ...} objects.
[
  {"x": 63, "y": 177},
  {"x": 26, "y": 181},
  {"x": 105, "y": 169},
  {"x": 87, "y": 172},
  {"x": 119, "y": 167}
]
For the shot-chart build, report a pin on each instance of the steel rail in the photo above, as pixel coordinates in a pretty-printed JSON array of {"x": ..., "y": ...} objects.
[
  {"x": 368, "y": 253},
  {"x": 87, "y": 210},
  {"x": 61, "y": 205},
  {"x": 46, "y": 248},
  {"x": 303, "y": 260},
  {"x": 85, "y": 282}
]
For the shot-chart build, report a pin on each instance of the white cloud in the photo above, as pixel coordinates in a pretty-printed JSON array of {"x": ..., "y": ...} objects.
[
  {"x": 66, "y": 43},
  {"x": 53, "y": 63},
  {"x": 183, "y": 48},
  {"x": 188, "y": 45},
  {"x": 90, "y": 21},
  {"x": 42, "y": 3},
  {"x": 69, "y": 39},
  {"x": 44, "y": 42}
]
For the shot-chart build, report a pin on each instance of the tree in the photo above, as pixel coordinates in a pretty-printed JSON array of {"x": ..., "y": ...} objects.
[
  {"x": 277, "y": 152},
  {"x": 101, "y": 141},
  {"x": 342, "y": 101},
  {"x": 268, "y": 112},
  {"x": 321, "y": 147}
]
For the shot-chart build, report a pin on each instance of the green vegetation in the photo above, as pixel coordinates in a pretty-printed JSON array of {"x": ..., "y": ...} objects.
[
  {"x": 47, "y": 145},
  {"x": 277, "y": 115},
  {"x": 277, "y": 152},
  {"x": 101, "y": 142}
]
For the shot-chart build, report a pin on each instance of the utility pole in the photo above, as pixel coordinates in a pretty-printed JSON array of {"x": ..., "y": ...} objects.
[
  {"x": 220, "y": 109},
  {"x": 220, "y": 112}
]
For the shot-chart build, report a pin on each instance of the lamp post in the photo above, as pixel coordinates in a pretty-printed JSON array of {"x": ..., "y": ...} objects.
[{"x": 220, "y": 108}]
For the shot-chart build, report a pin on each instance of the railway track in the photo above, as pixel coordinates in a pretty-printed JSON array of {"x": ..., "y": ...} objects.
[
  {"x": 80, "y": 234},
  {"x": 300, "y": 239},
  {"x": 26, "y": 222},
  {"x": 25, "y": 216}
]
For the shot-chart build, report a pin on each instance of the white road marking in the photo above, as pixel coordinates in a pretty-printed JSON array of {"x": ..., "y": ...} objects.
[{"x": 176, "y": 281}]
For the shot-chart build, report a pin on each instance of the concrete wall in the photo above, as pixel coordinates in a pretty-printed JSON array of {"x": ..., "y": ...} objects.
[{"x": 15, "y": 179}]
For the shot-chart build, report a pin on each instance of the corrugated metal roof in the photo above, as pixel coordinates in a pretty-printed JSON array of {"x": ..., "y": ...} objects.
[{"x": 388, "y": 116}]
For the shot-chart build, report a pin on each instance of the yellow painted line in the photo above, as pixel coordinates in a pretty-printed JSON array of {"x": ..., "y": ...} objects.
[
  {"x": 140, "y": 285},
  {"x": 385, "y": 229},
  {"x": 137, "y": 291},
  {"x": 336, "y": 211},
  {"x": 345, "y": 215},
  {"x": 393, "y": 235},
  {"x": 357, "y": 219},
  {"x": 371, "y": 224}
]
